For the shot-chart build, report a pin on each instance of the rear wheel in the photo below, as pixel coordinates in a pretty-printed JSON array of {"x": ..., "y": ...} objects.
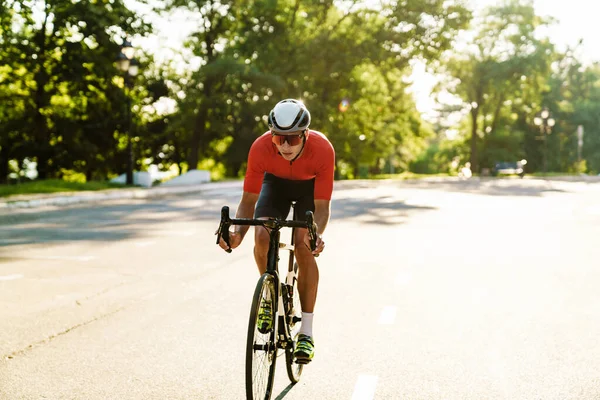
[
  {"x": 261, "y": 348},
  {"x": 294, "y": 320}
]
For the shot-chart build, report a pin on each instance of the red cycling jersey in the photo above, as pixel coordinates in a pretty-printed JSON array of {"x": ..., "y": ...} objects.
[{"x": 316, "y": 161}]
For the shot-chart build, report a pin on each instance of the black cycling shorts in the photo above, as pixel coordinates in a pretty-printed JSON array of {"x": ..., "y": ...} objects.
[{"x": 277, "y": 194}]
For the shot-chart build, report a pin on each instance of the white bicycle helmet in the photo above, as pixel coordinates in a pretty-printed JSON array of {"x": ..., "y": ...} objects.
[{"x": 289, "y": 115}]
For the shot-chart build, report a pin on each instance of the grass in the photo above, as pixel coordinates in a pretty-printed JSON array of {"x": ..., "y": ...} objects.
[
  {"x": 406, "y": 175},
  {"x": 54, "y": 186},
  {"x": 541, "y": 174}
]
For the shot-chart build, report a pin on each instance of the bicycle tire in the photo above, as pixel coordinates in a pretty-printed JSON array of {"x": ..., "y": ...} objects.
[
  {"x": 294, "y": 370},
  {"x": 261, "y": 349}
]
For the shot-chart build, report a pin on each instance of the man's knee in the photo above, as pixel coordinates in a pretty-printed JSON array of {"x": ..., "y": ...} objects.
[
  {"x": 261, "y": 239},
  {"x": 299, "y": 236},
  {"x": 303, "y": 254},
  {"x": 301, "y": 250}
]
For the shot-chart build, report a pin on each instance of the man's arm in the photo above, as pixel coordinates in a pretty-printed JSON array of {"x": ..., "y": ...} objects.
[
  {"x": 245, "y": 210},
  {"x": 322, "y": 213}
]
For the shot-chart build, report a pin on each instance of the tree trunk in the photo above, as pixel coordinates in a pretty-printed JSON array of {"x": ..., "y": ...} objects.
[
  {"x": 199, "y": 128},
  {"x": 474, "y": 112},
  {"x": 474, "y": 125},
  {"x": 40, "y": 127},
  {"x": 3, "y": 165},
  {"x": 235, "y": 168},
  {"x": 178, "y": 161},
  {"x": 199, "y": 133},
  {"x": 497, "y": 112},
  {"x": 42, "y": 154}
]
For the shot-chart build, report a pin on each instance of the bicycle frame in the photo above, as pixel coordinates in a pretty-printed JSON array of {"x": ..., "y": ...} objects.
[{"x": 261, "y": 353}]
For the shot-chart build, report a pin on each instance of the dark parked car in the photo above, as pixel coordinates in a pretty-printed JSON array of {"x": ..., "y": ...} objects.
[{"x": 509, "y": 168}]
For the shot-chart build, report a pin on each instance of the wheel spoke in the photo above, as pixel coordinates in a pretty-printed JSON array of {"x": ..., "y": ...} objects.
[{"x": 260, "y": 360}]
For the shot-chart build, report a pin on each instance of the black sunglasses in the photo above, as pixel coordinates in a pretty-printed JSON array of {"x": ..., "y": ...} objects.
[{"x": 293, "y": 140}]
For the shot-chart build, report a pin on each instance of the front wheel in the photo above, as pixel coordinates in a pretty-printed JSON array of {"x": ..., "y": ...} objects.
[
  {"x": 261, "y": 347},
  {"x": 294, "y": 320}
]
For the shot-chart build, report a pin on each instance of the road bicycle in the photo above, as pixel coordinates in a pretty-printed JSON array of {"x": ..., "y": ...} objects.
[{"x": 262, "y": 348}]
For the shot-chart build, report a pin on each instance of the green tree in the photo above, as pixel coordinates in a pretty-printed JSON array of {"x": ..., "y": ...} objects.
[
  {"x": 500, "y": 76},
  {"x": 258, "y": 52},
  {"x": 65, "y": 71},
  {"x": 575, "y": 96}
]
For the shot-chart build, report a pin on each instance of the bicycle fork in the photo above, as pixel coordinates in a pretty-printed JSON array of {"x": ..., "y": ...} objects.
[{"x": 285, "y": 340}]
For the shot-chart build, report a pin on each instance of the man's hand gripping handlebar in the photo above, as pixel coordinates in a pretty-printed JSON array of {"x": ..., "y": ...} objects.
[{"x": 226, "y": 222}]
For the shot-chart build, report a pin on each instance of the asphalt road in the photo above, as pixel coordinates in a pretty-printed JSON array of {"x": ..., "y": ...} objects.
[{"x": 429, "y": 290}]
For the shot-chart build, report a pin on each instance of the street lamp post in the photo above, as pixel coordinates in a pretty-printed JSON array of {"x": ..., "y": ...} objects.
[
  {"x": 545, "y": 121},
  {"x": 361, "y": 171},
  {"x": 130, "y": 67},
  {"x": 579, "y": 144}
]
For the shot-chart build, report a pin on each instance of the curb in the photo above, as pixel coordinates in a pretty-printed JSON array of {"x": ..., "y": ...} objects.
[{"x": 69, "y": 198}]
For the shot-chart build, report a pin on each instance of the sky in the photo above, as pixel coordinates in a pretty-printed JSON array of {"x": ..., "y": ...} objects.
[{"x": 576, "y": 19}]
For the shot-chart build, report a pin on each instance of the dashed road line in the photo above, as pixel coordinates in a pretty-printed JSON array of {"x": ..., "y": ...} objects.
[
  {"x": 10, "y": 277},
  {"x": 65, "y": 258},
  {"x": 403, "y": 278},
  {"x": 387, "y": 316},
  {"x": 365, "y": 387}
]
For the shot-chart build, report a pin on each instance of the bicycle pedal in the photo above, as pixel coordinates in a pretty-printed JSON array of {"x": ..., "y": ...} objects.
[{"x": 302, "y": 361}]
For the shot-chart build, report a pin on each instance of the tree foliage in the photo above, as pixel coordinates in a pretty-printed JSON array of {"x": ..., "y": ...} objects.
[{"x": 65, "y": 106}]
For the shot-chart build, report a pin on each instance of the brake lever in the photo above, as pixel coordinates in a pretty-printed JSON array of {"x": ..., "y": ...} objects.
[
  {"x": 312, "y": 231},
  {"x": 223, "y": 231}
]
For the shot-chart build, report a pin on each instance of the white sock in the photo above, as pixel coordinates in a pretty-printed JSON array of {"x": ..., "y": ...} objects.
[{"x": 306, "y": 327}]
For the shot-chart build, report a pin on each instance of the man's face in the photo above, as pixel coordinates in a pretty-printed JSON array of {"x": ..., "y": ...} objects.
[{"x": 289, "y": 144}]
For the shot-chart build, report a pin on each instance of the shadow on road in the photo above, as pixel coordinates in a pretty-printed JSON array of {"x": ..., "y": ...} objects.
[
  {"x": 382, "y": 210},
  {"x": 109, "y": 222},
  {"x": 106, "y": 222},
  {"x": 486, "y": 186},
  {"x": 284, "y": 392}
]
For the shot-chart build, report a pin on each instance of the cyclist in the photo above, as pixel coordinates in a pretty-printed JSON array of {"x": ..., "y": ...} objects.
[{"x": 289, "y": 163}]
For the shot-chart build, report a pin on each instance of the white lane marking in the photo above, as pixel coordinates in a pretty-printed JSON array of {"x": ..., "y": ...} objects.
[
  {"x": 388, "y": 315},
  {"x": 66, "y": 258},
  {"x": 365, "y": 387},
  {"x": 144, "y": 244},
  {"x": 403, "y": 278},
  {"x": 10, "y": 277}
]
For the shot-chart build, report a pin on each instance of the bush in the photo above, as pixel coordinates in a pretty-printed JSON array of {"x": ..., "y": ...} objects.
[
  {"x": 217, "y": 170},
  {"x": 68, "y": 175}
]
